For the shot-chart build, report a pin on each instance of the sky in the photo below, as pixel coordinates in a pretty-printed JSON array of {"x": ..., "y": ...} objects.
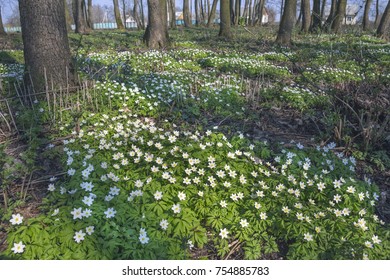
[{"x": 8, "y": 4}]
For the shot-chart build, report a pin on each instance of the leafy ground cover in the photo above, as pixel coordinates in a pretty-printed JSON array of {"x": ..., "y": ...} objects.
[{"x": 206, "y": 152}]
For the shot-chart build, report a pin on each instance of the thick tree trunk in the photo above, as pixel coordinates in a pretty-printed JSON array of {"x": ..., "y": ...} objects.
[
  {"x": 224, "y": 27},
  {"x": 366, "y": 19},
  {"x": 156, "y": 34},
  {"x": 2, "y": 30},
  {"x": 210, "y": 21},
  {"x": 46, "y": 47},
  {"x": 316, "y": 20},
  {"x": 305, "y": 10},
  {"x": 331, "y": 16},
  {"x": 383, "y": 27},
  {"x": 118, "y": 17},
  {"x": 187, "y": 14},
  {"x": 79, "y": 17},
  {"x": 339, "y": 16},
  {"x": 287, "y": 23}
]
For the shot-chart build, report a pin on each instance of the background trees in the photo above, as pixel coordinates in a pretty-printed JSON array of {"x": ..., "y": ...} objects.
[
  {"x": 384, "y": 23},
  {"x": 287, "y": 23},
  {"x": 46, "y": 48},
  {"x": 224, "y": 28},
  {"x": 156, "y": 34}
]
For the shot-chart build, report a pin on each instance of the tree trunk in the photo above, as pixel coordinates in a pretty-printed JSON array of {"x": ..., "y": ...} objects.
[
  {"x": 46, "y": 47},
  {"x": 79, "y": 17},
  {"x": 142, "y": 15},
  {"x": 68, "y": 18},
  {"x": 124, "y": 13},
  {"x": 377, "y": 14},
  {"x": 197, "y": 15},
  {"x": 305, "y": 10},
  {"x": 331, "y": 15},
  {"x": 287, "y": 23},
  {"x": 90, "y": 14},
  {"x": 118, "y": 17},
  {"x": 186, "y": 14},
  {"x": 136, "y": 14},
  {"x": 156, "y": 34},
  {"x": 261, "y": 11},
  {"x": 2, "y": 30},
  {"x": 339, "y": 16},
  {"x": 366, "y": 19},
  {"x": 316, "y": 20},
  {"x": 323, "y": 9},
  {"x": 172, "y": 11},
  {"x": 383, "y": 27},
  {"x": 210, "y": 21},
  {"x": 237, "y": 12},
  {"x": 224, "y": 27}
]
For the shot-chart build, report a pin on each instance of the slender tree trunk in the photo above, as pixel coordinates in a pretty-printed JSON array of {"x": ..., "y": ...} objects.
[
  {"x": 197, "y": 15},
  {"x": 237, "y": 12},
  {"x": 261, "y": 11},
  {"x": 316, "y": 20},
  {"x": 124, "y": 13},
  {"x": 68, "y": 18},
  {"x": 142, "y": 15},
  {"x": 79, "y": 17},
  {"x": 172, "y": 8},
  {"x": 46, "y": 47},
  {"x": 377, "y": 14},
  {"x": 323, "y": 9},
  {"x": 287, "y": 23},
  {"x": 250, "y": 15},
  {"x": 186, "y": 13},
  {"x": 383, "y": 27},
  {"x": 156, "y": 34},
  {"x": 305, "y": 8},
  {"x": 2, "y": 30},
  {"x": 366, "y": 19},
  {"x": 210, "y": 21},
  {"x": 118, "y": 17},
  {"x": 245, "y": 13},
  {"x": 339, "y": 16},
  {"x": 90, "y": 14},
  {"x": 224, "y": 27},
  {"x": 331, "y": 16}
]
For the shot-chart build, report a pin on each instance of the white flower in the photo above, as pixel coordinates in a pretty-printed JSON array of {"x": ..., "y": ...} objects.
[
  {"x": 18, "y": 248},
  {"x": 143, "y": 239},
  {"x": 16, "y": 219},
  {"x": 157, "y": 195},
  {"x": 257, "y": 205},
  {"x": 224, "y": 233},
  {"x": 200, "y": 193},
  {"x": 90, "y": 230},
  {"x": 51, "y": 188},
  {"x": 375, "y": 239},
  {"x": 110, "y": 213},
  {"x": 351, "y": 189},
  {"x": 77, "y": 213},
  {"x": 244, "y": 223},
  {"x": 286, "y": 210},
  {"x": 164, "y": 224},
  {"x": 79, "y": 236},
  {"x": 176, "y": 208},
  {"x": 308, "y": 237},
  {"x": 55, "y": 212},
  {"x": 263, "y": 215},
  {"x": 223, "y": 204},
  {"x": 368, "y": 244},
  {"x": 181, "y": 196}
]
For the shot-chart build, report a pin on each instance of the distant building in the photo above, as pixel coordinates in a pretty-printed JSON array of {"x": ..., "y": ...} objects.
[{"x": 131, "y": 22}]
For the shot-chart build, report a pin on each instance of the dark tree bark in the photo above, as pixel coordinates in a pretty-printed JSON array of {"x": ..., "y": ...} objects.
[
  {"x": 156, "y": 34},
  {"x": 79, "y": 17},
  {"x": 118, "y": 17},
  {"x": 366, "y": 19},
  {"x": 46, "y": 47},
  {"x": 186, "y": 14},
  {"x": 316, "y": 20},
  {"x": 197, "y": 14},
  {"x": 377, "y": 14},
  {"x": 305, "y": 10},
  {"x": 383, "y": 27},
  {"x": 323, "y": 5},
  {"x": 224, "y": 27},
  {"x": 2, "y": 30},
  {"x": 90, "y": 14},
  {"x": 331, "y": 15},
  {"x": 287, "y": 23},
  {"x": 339, "y": 16},
  {"x": 210, "y": 21}
]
